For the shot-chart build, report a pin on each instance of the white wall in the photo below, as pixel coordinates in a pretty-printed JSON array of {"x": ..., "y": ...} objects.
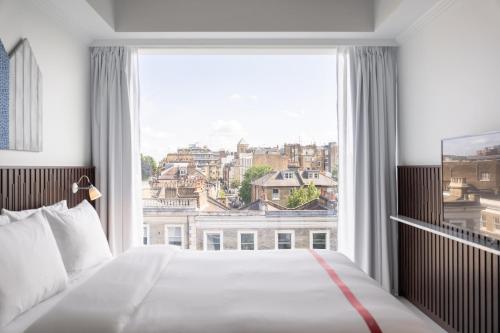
[
  {"x": 63, "y": 58},
  {"x": 449, "y": 79}
]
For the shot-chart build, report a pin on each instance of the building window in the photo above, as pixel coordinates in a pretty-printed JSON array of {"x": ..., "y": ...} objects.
[
  {"x": 213, "y": 241},
  {"x": 319, "y": 240},
  {"x": 285, "y": 240},
  {"x": 247, "y": 240},
  {"x": 485, "y": 177},
  {"x": 174, "y": 235},
  {"x": 145, "y": 234},
  {"x": 497, "y": 222},
  {"x": 288, "y": 175},
  {"x": 276, "y": 194}
]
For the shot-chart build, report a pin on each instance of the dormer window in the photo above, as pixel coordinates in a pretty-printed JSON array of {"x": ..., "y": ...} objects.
[
  {"x": 312, "y": 174},
  {"x": 182, "y": 171},
  {"x": 288, "y": 175}
]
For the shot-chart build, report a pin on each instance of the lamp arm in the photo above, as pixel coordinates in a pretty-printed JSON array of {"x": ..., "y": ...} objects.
[
  {"x": 76, "y": 186},
  {"x": 82, "y": 177}
]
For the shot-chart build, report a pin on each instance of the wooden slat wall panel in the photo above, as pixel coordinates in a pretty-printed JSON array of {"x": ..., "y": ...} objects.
[
  {"x": 27, "y": 188},
  {"x": 454, "y": 284}
]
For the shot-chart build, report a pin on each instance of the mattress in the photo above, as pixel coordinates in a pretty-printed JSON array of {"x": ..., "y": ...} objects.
[{"x": 162, "y": 289}]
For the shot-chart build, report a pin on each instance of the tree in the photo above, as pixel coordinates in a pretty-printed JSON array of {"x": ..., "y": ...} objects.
[
  {"x": 235, "y": 183},
  {"x": 252, "y": 174},
  {"x": 303, "y": 195},
  {"x": 149, "y": 167},
  {"x": 335, "y": 172}
]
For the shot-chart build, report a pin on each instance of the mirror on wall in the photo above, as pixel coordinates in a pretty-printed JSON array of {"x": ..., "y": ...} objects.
[
  {"x": 20, "y": 99},
  {"x": 471, "y": 183}
]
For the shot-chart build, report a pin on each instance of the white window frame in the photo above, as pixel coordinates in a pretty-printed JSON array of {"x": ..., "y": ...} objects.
[
  {"x": 484, "y": 176},
  {"x": 255, "y": 239},
  {"x": 147, "y": 230},
  {"x": 183, "y": 235},
  {"x": 205, "y": 242},
  {"x": 312, "y": 232},
  {"x": 272, "y": 194},
  {"x": 276, "y": 232}
]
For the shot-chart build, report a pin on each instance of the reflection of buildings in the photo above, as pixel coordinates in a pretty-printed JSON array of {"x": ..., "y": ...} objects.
[
  {"x": 277, "y": 186},
  {"x": 471, "y": 186}
]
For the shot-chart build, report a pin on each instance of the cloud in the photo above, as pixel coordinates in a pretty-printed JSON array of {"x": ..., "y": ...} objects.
[
  {"x": 226, "y": 133},
  {"x": 293, "y": 114},
  {"x": 155, "y": 142},
  {"x": 235, "y": 96},
  {"x": 240, "y": 97}
]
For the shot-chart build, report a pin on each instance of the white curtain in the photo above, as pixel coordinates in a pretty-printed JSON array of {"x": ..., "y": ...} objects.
[
  {"x": 367, "y": 105},
  {"x": 116, "y": 143}
]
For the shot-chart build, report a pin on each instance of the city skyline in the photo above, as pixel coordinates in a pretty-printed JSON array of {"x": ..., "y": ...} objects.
[{"x": 241, "y": 98}]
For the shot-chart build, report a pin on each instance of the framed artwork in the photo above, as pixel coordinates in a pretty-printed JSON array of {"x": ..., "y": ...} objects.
[{"x": 20, "y": 99}]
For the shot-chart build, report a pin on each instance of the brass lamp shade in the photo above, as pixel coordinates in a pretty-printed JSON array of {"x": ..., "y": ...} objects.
[{"x": 94, "y": 193}]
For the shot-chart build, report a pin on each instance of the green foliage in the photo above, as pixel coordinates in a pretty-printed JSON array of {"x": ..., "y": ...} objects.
[
  {"x": 335, "y": 172},
  {"x": 303, "y": 195},
  {"x": 252, "y": 174},
  {"x": 149, "y": 167},
  {"x": 222, "y": 194},
  {"x": 235, "y": 184}
]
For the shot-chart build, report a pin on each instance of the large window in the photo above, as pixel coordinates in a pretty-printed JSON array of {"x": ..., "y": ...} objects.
[
  {"x": 145, "y": 234},
  {"x": 320, "y": 240},
  {"x": 247, "y": 240},
  {"x": 285, "y": 240},
  {"x": 235, "y": 140},
  {"x": 213, "y": 240},
  {"x": 174, "y": 235}
]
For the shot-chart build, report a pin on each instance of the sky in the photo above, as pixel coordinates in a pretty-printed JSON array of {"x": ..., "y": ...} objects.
[
  {"x": 215, "y": 100},
  {"x": 469, "y": 145}
]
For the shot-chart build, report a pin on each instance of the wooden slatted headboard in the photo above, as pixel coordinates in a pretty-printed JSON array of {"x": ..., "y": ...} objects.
[{"x": 32, "y": 187}]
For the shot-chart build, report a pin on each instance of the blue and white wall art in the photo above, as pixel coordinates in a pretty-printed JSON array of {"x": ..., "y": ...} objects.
[{"x": 21, "y": 125}]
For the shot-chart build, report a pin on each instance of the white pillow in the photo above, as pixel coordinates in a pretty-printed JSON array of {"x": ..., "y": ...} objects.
[
  {"x": 4, "y": 220},
  {"x": 31, "y": 266},
  {"x": 80, "y": 237},
  {"x": 22, "y": 214}
]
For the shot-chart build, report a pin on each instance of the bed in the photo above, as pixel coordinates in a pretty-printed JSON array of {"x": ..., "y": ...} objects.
[{"x": 163, "y": 289}]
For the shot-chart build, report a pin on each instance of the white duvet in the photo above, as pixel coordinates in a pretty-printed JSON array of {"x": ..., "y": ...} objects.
[{"x": 160, "y": 289}]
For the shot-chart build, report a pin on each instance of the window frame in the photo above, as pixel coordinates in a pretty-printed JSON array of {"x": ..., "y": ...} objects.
[
  {"x": 272, "y": 194},
  {"x": 327, "y": 239},
  {"x": 292, "y": 240},
  {"x": 484, "y": 176},
  {"x": 146, "y": 233},
  {"x": 205, "y": 239},
  {"x": 255, "y": 239},
  {"x": 183, "y": 235}
]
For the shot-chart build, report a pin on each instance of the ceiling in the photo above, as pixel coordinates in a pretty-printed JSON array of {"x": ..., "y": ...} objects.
[{"x": 159, "y": 21}]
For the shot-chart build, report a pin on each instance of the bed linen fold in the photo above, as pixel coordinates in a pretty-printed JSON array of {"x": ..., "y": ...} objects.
[{"x": 105, "y": 301}]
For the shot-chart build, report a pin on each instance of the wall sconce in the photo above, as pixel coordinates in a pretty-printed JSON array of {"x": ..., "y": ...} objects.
[{"x": 93, "y": 191}]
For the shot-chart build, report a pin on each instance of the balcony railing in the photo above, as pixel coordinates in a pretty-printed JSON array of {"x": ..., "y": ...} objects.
[{"x": 176, "y": 203}]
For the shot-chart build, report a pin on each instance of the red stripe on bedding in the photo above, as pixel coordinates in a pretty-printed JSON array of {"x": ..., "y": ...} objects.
[{"x": 363, "y": 312}]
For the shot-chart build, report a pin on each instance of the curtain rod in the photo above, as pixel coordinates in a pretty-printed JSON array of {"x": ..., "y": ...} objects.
[{"x": 244, "y": 43}]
